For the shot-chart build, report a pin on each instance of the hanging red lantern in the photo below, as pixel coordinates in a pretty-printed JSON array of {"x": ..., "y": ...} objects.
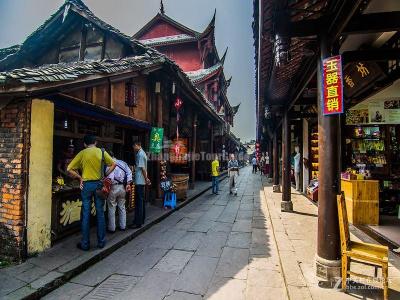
[
  {"x": 178, "y": 103},
  {"x": 177, "y": 149}
]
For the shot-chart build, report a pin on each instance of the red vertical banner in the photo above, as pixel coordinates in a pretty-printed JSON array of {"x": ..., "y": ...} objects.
[{"x": 332, "y": 81}]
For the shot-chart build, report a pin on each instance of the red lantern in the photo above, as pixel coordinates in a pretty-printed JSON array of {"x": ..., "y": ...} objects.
[
  {"x": 177, "y": 149},
  {"x": 178, "y": 103}
]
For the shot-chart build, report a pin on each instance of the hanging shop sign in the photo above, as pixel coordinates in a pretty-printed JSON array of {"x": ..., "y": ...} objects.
[
  {"x": 359, "y": 76},
  {"x": 156, "y": 140},
  {"x": 178, "y": 151},
  {"x": 332, "y": 85},
  {"x": 375, "y": 111}
]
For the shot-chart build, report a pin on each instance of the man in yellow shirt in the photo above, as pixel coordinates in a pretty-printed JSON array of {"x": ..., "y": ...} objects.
[
  {"x": 89, "y": 163},
  {"x": 215, "y": 175}
]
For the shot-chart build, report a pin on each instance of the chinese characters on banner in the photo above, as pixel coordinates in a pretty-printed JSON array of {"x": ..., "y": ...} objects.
[
  {"x": 332, "y": 85},
  {"x": 156, "y": 140},
  {"x": 178, "y": 151}
]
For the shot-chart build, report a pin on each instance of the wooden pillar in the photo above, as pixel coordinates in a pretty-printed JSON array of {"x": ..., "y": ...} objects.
[
  {"x": 328, "y": 243},
  {"x": 159, "y": 156},
  {"x": 212, "y": 140},
  {"x": 275, "y": 156},
  {"x": 194, "y": 149},
  {"x": 286, "y": 204},
  {"x": 270, "y": 154}
]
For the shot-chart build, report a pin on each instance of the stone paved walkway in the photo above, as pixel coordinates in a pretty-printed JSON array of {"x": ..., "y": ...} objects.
[
  {"x": 217, "y": 247},
  {"x": 37, "y": 275},
  {"x": 221, "y": 247}
]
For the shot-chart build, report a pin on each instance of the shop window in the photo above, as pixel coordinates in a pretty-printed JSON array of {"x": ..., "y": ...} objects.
[{"x": 131, "y": 94}]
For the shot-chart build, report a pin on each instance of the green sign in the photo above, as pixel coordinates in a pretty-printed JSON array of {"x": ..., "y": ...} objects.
[{"x": 156, "y": 140}]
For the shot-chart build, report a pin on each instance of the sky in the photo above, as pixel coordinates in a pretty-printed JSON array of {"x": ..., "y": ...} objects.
[{"x": 18, "y": 18}]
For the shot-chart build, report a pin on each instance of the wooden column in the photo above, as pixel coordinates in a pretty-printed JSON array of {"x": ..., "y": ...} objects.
[
  {"x": 159, "y": 156},
  {"x": 328, "y": 243},
  {"x": 275, "y": 156},
  {"x": 212, "y": 140},
  {"x": 270, "y": 154},
  {"x": 286, "y": 204},
  {"x": 194, "y": 135}
]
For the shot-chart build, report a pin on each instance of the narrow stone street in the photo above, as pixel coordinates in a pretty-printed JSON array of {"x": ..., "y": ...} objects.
[{"x": 217, "y": 247}]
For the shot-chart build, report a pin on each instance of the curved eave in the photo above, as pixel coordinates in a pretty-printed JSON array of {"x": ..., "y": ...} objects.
[
  {"x": 158, "y": 42},
  {"x": 168, "y": 20},
  {"x": 204, "y": 74},
  {"x": 211, "y": 26}
]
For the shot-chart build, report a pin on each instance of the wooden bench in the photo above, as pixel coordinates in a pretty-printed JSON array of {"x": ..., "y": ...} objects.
[{"x": 365, "y": 253}]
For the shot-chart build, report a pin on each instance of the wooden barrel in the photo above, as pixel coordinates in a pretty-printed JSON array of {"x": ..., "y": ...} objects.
[{"x": 182, "y": 184}]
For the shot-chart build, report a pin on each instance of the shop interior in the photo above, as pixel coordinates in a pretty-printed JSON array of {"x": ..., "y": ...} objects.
[
  {"x": 69, "y": 130},
  {"x": 372, "y": 152}
]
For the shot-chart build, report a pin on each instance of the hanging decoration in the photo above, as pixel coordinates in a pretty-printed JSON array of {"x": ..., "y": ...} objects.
[
  {"x": 178, "y": 105},
  {"x": 156, "y": 140}
]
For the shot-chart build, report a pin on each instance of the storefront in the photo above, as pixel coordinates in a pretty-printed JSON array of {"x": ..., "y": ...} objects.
[
  {"x": 372, "y": 140},
  {"x": 71, "y": 124}
]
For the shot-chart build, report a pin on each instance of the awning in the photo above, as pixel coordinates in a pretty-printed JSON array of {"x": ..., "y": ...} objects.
[{"x": 94, "y": 111}]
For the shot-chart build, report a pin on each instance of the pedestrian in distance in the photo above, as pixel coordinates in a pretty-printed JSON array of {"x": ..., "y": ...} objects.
[
  {"x": 141, "y": 180},
  {"x": 121, "y": 179},
  {"x": 262, "y": 164},
  {"x": 90, "y": 162},
  {"x": 233, "y": 173},
  {"x": 254, "y": 163},
  {"x": 215, "y": 175}
]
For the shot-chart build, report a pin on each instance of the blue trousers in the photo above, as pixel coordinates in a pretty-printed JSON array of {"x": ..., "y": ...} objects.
[
  {"x": 140, "y": 213},
  {"x": 215, "y": 182},
  {"x": 88, "y": 193}
]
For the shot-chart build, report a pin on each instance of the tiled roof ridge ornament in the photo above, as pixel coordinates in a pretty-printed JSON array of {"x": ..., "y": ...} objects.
[
  {"x": 224, "y": 56},
  {"x": 162, "y": 10}
]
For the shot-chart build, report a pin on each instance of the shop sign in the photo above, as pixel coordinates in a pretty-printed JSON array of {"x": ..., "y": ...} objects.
[
  {"x": 359, "y": 76},
  {"x": 178, "y": 151},
  {"x": 332, "y": 85},
  {"x": 156, "y": 140}
]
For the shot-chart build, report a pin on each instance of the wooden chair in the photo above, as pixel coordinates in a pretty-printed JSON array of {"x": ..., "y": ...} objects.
[{"x": 365, "y": 253}]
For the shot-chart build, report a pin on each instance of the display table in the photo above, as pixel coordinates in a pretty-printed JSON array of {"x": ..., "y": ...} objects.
[{"x": 362, "y": 201}]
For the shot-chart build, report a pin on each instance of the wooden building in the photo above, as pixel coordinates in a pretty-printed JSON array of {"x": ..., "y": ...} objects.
[
  {"x": 78, "y": 75},
  {"x": 197, "y": 55},
  {"x": 292, "y": 38}
]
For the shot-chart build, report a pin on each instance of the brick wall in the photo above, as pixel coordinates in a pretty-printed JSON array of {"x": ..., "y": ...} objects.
[{"x": 14, "y": 136}]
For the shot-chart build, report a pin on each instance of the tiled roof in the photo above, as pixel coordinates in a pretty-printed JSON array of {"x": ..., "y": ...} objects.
[
  {"x": 167, "y": 19},
  {"x": 166, "y": 40},
  {"x": 8, "y": 51},
  {"x": 197, "y": 76},
  {"x": 71, "y": 71},
  {"x": 50, "y": 30}
]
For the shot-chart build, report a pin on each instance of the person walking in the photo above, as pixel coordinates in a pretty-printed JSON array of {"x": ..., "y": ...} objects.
[
  {"x": 261, "y": 164},
  {"x": 90, "y": 162},
  {"x": 296, "y": 160},
  {"x": 254, "y": 163},
  {"x": 121, "y": 179},
  {"x": 141, "y": 180},
  {"x": 233, "y": 173},
  {"x": 215, "y": 175},
  {"x": 267, "y": 166}
]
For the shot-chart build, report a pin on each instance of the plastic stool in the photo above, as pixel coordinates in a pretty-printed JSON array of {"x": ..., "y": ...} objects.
[{"x": 170, "y": 199}]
